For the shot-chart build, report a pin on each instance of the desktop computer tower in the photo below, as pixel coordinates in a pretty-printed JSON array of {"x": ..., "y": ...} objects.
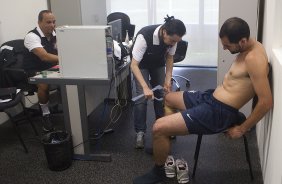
[{"x": 85, "y": 52}]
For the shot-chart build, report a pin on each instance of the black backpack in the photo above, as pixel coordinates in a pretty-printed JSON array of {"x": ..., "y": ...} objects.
[{"x": 11, "y": 64}]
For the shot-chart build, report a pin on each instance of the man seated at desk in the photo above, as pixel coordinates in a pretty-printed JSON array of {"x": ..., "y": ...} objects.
[{"x": 42, "y": 55}]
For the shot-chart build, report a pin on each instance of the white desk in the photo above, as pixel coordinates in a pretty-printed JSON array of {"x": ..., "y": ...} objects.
[{"x": 78, "y": 99}]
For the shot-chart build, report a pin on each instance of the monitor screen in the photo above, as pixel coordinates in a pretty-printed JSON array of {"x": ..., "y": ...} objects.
[{"x": 116, "y": 29}]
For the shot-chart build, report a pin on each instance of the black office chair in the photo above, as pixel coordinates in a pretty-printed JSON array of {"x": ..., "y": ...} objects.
[
  {"x": 180, "y": 55},
  {"x": 246, "y": 145},
  {"x": 126, "y": 25},
  {"x": 6, "y": 107},
  {"x": 12, "y": 72}
]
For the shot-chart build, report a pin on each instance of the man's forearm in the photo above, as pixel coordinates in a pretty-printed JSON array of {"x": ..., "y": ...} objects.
[
  {"x": 52, "y": 58},
  {"x": 257, "y": 114},
  {"x": 138, "y": 75},
  {"x": 169, "y": 68}
]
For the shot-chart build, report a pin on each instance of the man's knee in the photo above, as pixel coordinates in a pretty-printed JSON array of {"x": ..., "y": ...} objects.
[
  {"x": 158, "y": 127},
  {"x": 168, "y": 100},
  {"x": 174, "y": 101},
  {"x": 168, "y": 106},
  {"x": 168, "y": 110},
  {"x": 43, "y": 87}
]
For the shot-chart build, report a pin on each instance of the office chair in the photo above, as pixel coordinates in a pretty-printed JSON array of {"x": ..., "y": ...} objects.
[
  {"x": 242, "y": 119},
  {"x": 12, "y": 72},
  {"x": 246, "y": 145},
  {"x": 126, "y": 25},
  {"x": 15, "y": 100},
  {"x": 179, "y": 55}
]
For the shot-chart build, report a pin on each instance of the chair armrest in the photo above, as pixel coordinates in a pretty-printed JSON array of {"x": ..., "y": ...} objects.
[
  {"x": 16, "y": 77},
  {"x": 6, "y": 93},
  {"x": 16, "y": 72}
]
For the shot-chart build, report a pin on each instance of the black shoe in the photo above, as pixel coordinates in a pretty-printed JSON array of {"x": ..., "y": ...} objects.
[
  {"x": 47, "y": 124},
  {"x": 55, "y": 109}
]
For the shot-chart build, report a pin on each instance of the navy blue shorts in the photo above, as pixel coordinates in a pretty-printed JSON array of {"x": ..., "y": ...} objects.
[{"x": 206, "y": 115}]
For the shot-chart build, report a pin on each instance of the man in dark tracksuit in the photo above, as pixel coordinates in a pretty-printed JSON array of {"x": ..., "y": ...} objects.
[
  {"x": 152, "y": 63},
  {"x": 42, "y": 55}
]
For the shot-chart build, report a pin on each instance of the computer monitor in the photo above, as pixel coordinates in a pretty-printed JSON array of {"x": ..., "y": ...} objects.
[{"x": 116, "y": 29}]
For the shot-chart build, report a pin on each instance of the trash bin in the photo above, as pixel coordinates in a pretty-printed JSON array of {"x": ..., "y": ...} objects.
[{"x": 58, "y": 150}]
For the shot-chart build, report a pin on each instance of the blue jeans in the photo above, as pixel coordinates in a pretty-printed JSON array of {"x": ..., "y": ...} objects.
[{"x": 153, "y": 77}]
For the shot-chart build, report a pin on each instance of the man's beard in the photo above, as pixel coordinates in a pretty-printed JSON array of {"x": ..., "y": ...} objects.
[
  {"x": 237, "y": 50},
  {"x": 234, "y": 52}
]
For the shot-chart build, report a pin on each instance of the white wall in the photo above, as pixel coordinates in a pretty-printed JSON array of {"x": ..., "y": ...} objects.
[
  {"x": 270, "y": 128},
  {"x": 93, "y": 12},
  {"x": 17, "y": 17},
  {"x": 79, "y": 12}
]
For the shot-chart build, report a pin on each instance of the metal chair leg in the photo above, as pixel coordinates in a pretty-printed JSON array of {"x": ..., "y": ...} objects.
[
  {"x": 29, "y": 119},
  {"x": 248, "y": 156},
  {"x": 196, "y": 155},
  {"x": 17, "y": 131}
]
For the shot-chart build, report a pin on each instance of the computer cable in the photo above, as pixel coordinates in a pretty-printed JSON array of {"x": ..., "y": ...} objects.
[
  {"x": 117, "y": 110},
  {"x": 100, "y": 132},
  {"x": 80, "y": 143}
]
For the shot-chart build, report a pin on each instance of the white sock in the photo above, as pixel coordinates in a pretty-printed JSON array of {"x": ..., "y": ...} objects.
[{"x": 45, "y": 109}]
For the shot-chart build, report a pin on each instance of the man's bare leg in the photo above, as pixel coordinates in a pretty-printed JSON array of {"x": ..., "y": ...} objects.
[
  {"x": 43, "y": 98},
  {"x": 43, "y": 93},
  {"x": 163, "y": 128},
  {"x": 160, "y": 152},
  {"x": 171, "y": 124}
]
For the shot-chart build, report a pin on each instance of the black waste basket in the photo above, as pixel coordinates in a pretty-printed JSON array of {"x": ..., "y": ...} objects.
[{"x": 58, "y": 150}]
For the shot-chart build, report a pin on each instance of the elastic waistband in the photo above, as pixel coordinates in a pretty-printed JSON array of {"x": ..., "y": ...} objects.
[{"x": 223, "y": 104}]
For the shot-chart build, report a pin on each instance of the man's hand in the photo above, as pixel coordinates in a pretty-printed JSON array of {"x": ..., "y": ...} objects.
[
  {"x": 167, "y": 86},
  {"x": 148, "y": 93},
  {"x": 235, "y": 132}
]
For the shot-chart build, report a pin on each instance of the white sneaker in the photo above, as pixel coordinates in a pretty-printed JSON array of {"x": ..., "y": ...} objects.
[
  {"x": 182, "y": 171},
  {"x": 170, "y": 167},
  {"x": 139, "y": 140}
]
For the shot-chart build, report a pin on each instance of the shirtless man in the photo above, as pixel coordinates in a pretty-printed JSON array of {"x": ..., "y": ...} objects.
[{"x": 216, "y": 110}]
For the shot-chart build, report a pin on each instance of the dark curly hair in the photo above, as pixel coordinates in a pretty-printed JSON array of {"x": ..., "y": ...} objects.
[
  {"x": 174, "y": 26},
  {"x": 235, "y": 29}
]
